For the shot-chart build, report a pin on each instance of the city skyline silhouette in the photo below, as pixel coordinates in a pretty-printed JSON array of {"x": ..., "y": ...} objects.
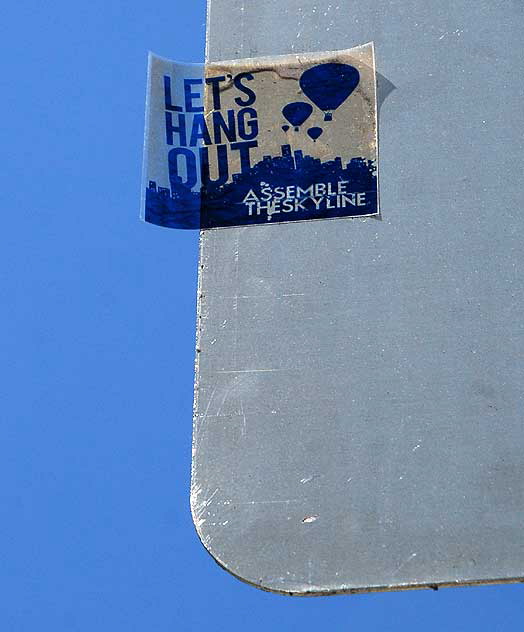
[{"x": 215, "y": 205}]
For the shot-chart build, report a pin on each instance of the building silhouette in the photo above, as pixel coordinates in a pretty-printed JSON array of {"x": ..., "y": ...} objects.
[{"x": 221, "y": 205}]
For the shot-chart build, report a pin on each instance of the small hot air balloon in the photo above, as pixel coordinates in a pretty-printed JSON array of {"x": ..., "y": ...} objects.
[
  {"x": 296, "y": 113},
  {"x": 329, "y": 85},
  {"x": 285, "y": 127},
  {"x": 314, "y": 132}
]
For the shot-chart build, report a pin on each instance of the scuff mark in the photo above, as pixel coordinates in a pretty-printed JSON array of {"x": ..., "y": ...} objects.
[
  {"x": 457, "y": 32},
  {"x": 403, "y": 563},
  {"x": 269, "y": 502},
  {"x": 244, "y": 421},
  {"x": 209, "y": 404},
  {"x": 226, "y": 395},
  {"x": 309, "y": 519},
  {"x": 308, "y": 479},
  {"x": 253, "y": 371},
  {"x": 199, "y": 508},
  {"x": 210, "y": 499}
]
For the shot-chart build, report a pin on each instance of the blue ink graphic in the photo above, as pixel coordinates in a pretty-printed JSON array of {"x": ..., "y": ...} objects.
[
  {"x": 297, "y": 113},
  {"x": 315, "y": 132},
  {"x": 329, "y": 85},
  {"x": 211, "y": 178},
  {"x": 291, "y": 186}
]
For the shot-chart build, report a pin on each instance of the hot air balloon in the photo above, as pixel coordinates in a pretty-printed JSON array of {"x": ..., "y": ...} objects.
[
  {"x": 285, "y": 127},
  {"x": 314, "y": 132},
  {"x": 296, "y": 113},
  {"x": 329, "y": 85}
]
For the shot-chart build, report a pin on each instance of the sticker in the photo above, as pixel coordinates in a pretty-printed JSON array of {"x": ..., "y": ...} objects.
[{"x": 261, "y": 141}]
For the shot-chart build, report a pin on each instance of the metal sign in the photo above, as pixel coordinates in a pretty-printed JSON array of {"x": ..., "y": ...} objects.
[{"x": 358, "y": 413}]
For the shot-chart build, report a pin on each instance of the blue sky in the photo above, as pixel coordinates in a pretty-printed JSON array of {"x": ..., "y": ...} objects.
[{"x": 97, "y": 342}]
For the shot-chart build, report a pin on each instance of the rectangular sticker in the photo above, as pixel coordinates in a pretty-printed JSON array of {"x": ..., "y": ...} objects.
[{"x": 262, "y": 140}]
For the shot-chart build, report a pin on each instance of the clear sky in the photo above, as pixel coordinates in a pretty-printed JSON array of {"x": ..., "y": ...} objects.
[{"x": 97, "y": 347}]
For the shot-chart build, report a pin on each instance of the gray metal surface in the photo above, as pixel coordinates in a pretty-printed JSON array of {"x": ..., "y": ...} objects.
[{"x": 359, "y": 389}]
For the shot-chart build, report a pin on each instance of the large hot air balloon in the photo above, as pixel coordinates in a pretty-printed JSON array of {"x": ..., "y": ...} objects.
[
  {"x": 296, "y": 113},
  {"x": 329, "y": 85}
]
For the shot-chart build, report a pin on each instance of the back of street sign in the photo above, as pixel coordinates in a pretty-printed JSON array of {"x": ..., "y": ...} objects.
[{"x": 359, "y": 400}]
